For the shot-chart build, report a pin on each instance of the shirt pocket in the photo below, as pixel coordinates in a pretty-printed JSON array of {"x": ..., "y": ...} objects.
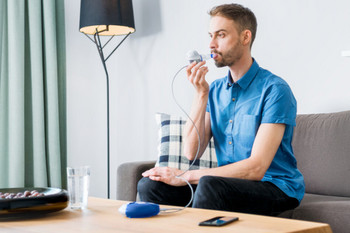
[{"x": 247, "y": 128}]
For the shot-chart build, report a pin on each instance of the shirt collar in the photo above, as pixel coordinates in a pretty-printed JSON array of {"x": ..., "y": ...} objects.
[{"x": 247, "y": 77}]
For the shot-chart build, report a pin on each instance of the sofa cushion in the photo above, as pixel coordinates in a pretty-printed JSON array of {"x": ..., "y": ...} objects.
[
  {"x": 321, "y": 145},
  {"x": 170, "y": 149},
  {"x": 328, "y": 209}
]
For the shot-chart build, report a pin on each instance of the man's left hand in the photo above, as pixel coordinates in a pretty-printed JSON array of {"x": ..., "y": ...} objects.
[{"x": 166, "y": 175}]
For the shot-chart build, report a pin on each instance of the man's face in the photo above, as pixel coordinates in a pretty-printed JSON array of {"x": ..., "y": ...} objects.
[{"x": 225, "y": 41}]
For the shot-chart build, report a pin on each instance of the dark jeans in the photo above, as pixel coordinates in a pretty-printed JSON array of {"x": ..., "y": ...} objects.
[{"x": 219, "y": 193}]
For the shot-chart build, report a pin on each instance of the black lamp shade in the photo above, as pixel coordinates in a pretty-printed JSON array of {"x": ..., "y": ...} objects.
[{"x": 109, "y": 17}]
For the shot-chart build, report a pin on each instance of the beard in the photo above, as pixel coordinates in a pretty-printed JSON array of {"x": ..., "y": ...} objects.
[{"x": 230, "y": 57}]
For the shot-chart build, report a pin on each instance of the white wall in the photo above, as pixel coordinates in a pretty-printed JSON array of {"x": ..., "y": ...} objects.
[{"x": 299, "y": 40}]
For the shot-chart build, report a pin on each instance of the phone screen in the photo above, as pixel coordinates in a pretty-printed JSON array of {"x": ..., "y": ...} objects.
[{"x": 218, "y": 221}]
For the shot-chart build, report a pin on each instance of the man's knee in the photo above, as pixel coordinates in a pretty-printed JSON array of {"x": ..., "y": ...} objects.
[
  {"x": 143, "y": 184},
  {"x": 205, "y": 194},
  {"x": 145, "y": 188},
  {"x": 207, "y": 181}
]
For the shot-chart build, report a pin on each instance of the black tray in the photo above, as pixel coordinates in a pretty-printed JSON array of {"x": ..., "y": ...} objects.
[{"x": 55, "y": 199}]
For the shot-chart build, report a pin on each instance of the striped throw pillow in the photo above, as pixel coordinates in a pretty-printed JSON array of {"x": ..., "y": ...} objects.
[{"x": 170, "y": 150}]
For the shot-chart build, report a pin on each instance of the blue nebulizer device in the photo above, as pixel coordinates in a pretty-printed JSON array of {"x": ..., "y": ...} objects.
[{"x": 139, "y": 209}]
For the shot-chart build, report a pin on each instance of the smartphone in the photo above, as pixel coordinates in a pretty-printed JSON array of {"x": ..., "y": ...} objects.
[{"x": 218, "y": 221}]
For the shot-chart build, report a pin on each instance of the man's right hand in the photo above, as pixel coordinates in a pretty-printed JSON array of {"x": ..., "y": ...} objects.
[{"x": 196, "y": 75}]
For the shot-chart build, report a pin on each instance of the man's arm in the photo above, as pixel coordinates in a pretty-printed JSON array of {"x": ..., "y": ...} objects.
[
  {"x": 267, "y": 141},
  {"x": 196, "y": 75},
  {"x": 190, "y": 141}
]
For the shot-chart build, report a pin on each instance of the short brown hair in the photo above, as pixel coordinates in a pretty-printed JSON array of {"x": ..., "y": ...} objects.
[{"x": 243, "y": 16}]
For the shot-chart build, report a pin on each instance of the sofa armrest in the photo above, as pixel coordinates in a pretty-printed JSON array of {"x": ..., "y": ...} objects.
[{"x": 128, "y": 175}]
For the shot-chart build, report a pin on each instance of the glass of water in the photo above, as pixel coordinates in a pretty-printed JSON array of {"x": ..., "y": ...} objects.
[{"x": 78, "y": 186}]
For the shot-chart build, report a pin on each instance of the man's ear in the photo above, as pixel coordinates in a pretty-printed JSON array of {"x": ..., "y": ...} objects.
[{"x": 246, "y": 37}]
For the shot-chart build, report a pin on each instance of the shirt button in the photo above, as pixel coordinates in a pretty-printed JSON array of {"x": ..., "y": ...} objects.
[
  {"x": 230, "y": 121},
  {"x": 233, "y": 99},
  {"x": 230, "y": 142}
]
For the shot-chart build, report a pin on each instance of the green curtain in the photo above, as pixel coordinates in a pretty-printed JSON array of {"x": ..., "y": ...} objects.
[{"x": 32, "y": 94}]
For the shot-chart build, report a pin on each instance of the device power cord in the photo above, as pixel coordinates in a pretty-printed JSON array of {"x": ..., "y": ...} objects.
[{"x": 174, "y": 210}]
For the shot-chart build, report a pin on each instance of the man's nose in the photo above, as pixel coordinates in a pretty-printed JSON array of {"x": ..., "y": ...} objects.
[{"x": 213, "y": 43}]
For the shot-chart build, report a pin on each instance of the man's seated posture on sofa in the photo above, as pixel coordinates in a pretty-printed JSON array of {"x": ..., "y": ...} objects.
[{"x": 251, "y": 114}]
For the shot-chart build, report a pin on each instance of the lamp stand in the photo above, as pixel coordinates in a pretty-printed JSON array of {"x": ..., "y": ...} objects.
[{"x": 100, "y": 48}]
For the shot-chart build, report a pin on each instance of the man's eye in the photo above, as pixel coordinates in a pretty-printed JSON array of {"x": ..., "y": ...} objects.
[{"x": 221, "y": 35}]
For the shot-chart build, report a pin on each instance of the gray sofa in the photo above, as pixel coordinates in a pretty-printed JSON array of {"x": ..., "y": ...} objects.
[{"x": 321, "y": 144}]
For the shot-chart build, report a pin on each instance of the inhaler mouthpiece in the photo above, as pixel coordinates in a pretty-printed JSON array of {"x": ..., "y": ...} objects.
[{"x": 193, "y": 55}]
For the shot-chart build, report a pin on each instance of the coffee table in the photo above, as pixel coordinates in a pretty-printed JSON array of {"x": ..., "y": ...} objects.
[{"x": 102, "y": 216}]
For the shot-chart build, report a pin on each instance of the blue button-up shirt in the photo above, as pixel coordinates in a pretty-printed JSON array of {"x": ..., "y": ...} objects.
[{"x": 236, "y": 112}]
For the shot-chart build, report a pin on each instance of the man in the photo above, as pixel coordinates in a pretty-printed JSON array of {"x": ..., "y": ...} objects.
[{"x": 251, "y": 114}]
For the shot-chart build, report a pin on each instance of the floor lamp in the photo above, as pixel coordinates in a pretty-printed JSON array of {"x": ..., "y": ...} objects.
[{"x": 106, "y": 18}]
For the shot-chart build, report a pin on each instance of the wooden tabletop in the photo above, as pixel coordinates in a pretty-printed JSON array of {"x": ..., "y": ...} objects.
[{"x": 102, "y": 216}]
